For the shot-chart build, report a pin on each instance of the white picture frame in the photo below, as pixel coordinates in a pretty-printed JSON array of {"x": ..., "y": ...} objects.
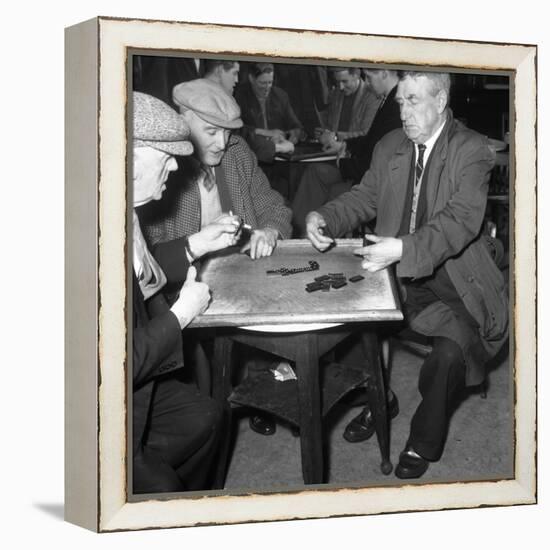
[{"x": 96, "y": 212}]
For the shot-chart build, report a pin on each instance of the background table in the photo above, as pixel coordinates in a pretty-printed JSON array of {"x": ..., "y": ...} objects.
[
  {"x": 293, "y": 165},
  {"x": 243, "y": 295}
]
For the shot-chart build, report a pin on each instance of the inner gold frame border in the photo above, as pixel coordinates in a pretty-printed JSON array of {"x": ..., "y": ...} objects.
[{"x": 96, "y": 257}]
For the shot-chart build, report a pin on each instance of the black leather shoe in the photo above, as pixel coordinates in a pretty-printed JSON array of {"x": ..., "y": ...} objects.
[
  {"x": 262, "y": 423},
  {"x": 411, "y": 464},
  {"x": 362, "y": 426}
]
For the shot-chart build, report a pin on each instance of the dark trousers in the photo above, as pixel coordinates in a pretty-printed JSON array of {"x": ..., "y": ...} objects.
[
  {"x": 441, "y": 379},
  {"x": 181, "y": 440}
]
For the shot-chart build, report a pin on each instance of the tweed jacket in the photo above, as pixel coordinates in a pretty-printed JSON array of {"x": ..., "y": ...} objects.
[
  {"x": 456, "y": 194},
  {"x": 157, "y": 350},
  {"x": 243, "y": 188},
  {"x": 365, "y": 105},
  {"x": 279, "y": 115}
]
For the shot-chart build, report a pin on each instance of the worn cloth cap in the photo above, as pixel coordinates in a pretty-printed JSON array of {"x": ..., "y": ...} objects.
[
  {"x": 157, "y": 125},
  {"x": 208, "y": 101}
]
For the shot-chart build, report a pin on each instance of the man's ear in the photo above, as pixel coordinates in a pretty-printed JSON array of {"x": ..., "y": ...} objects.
[
  {"x": 186, "y": 114},
  {"x": 442, "y": 101}
]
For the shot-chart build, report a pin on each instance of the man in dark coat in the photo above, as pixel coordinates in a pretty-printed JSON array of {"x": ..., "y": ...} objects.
[
  {"x": 270, "y": 123},
  {"x": 175, "y": 428},
  {"x": 427, "y": 188},
  {"x": 323, "y": 181}
]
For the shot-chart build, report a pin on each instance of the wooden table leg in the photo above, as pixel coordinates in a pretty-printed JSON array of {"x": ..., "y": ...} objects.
[
  {"x": 309, "y": 398},
  {"x": 221, "y": 388},
  {"x": 376, "y": 391}
]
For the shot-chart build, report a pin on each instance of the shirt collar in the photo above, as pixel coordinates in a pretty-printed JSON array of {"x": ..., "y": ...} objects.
[{"x": 430, "y": 142}]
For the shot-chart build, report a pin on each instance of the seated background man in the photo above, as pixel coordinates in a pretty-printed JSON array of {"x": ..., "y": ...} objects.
[
  {"x": 221, "y": 176},
  {"x": 323, "y": 181},
  {"x": 223, "y": 73},
  {"x": 175, "y": 428},
  {"x": 270, "y": 124},
  {"x": 351, "y": 107},
  {"x": 427, "y": 188}
]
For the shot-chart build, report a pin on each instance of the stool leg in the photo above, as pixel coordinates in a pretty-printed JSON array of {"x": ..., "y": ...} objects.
[
  {"x": 376, "y": 391},
  {"x": 221, "y": 388},
  {"x": 484, "y": 386},
  {"x": 220, "y": 471},
  {"x": 309, "y": 400}
]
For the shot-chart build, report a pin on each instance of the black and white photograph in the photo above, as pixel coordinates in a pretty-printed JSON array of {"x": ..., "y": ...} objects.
[
  {"x": 301, "y": 273},
  {"x": 321, "y": 275}
]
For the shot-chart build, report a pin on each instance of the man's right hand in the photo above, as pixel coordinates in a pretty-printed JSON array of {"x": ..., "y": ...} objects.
[
  {"x": 284, "y": 147},
  {"x": 219, "y": 234},
  {"x": 314, "y": 228},
  {"x": 277, "y": 135},
  {"x": 193, "y": 299},
  {"x": 318, "y": 132}
]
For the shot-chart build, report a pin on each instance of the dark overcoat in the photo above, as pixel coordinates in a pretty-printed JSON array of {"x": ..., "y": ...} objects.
[
  {"x": 157, "y": 350},
  {"x": 456, "y": 195}
]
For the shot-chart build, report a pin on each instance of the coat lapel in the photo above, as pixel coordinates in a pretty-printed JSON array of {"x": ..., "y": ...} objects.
[
  {"x": 437, "y": 164},
  {"x": 399, "y": 168},
  {"x": 228, "y": 178}
]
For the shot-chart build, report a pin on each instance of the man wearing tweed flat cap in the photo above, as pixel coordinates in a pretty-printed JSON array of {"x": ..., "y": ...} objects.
[{"x": 175, "y": 427}]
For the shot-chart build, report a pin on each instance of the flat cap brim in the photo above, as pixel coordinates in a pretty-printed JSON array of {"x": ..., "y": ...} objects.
[
  {"x": 181, "y": 148},
  {"x": 157, "y": 125}
]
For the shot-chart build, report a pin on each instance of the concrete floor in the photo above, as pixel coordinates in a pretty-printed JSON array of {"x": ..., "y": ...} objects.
[{"x": 479, "y": 443}]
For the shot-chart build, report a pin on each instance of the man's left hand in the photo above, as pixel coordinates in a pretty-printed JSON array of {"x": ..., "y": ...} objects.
[
  {"x": 262, "y": 243},
  {"x": 334, "y": 148},
  {"x": 384, "y": 252},
  {"x": 327, "y": 138}
]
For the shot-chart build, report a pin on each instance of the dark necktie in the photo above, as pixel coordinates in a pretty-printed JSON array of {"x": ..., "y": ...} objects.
[
  {"x": 418, "y": 169},
  {"x": 209, "y": 179},
  {"x": 419, "y": 164}
]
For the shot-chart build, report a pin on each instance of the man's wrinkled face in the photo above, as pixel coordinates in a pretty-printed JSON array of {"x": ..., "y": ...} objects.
[
  {"x": 229, "y": 79},
  {"x": 346, "y": 82},
  {"x": 421, "y": 111},
  {"x": 151, "y": 170},
  {"x": 262, "y": 84},
  {"x": 375, "y": 79},
  {"x": 209, "y": 141}
]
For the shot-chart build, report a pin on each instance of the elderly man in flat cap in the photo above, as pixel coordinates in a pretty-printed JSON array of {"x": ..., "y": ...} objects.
[{"x": 175, "y": 428}]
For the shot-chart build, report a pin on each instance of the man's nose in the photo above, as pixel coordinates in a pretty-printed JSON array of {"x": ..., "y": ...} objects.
[
  {"x": 221, "y": 140},
  {"x": 340, "y": 86}
]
